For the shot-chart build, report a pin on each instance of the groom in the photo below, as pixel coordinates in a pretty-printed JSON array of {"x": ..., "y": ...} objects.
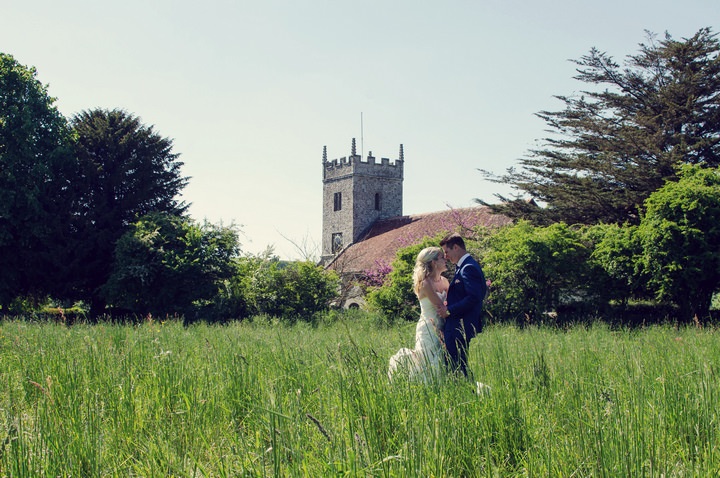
[{"x": 464, "y": 303}]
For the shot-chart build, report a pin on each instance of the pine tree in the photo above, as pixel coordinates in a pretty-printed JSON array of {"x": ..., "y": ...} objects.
[
  {"x": 127, "y": 171},
  {"x": 624, "y": 137}
]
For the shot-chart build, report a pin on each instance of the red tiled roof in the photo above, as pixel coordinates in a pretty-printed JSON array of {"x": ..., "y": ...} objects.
[{"x": 385, "y": 237}]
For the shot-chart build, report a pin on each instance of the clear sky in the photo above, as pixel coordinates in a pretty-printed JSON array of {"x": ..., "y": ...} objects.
[{"x": 251, "y": 91}]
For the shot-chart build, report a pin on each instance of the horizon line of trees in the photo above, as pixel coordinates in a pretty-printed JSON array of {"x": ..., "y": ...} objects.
[{"x": 627, "y": 182}]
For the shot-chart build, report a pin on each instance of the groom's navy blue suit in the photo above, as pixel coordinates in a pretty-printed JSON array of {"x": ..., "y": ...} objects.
[{"x": 464, "y": 303}]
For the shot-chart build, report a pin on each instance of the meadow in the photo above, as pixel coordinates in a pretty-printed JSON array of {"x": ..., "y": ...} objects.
[{"x": 266, "y": 399}]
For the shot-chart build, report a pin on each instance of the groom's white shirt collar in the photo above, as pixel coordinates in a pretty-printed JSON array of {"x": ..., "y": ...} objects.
[{"x": 462, "y": 259}]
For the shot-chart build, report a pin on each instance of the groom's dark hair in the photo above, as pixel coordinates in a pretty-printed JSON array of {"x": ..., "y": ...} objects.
[{"x": 452, "y": 240}]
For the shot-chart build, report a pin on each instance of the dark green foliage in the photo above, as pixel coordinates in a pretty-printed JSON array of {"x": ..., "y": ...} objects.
[
  {"x": 36, "y": 170},
  {"x": 127, "y": 171},
  {"x": 680, "y": 239},
  {"x": 68, "y": 192},
  {"x": 622, "y": 139},
  {"x": 170, "y": 265}
]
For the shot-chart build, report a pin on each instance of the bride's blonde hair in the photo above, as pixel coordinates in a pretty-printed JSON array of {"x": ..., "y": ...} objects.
[{"x": 423, "y": 266}]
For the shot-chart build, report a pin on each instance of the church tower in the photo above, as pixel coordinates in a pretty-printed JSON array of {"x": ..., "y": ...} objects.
[{"x": 356, "y": 193}]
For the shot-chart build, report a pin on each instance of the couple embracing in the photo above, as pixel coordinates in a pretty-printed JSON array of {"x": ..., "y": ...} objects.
[{"x": 450, "y": 312}]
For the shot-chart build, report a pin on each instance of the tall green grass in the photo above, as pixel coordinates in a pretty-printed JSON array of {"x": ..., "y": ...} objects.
[{"x": 159, "y": 399}]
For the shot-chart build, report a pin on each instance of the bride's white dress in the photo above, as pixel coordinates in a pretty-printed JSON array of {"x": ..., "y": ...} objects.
[{"x": 425, "y": 361}]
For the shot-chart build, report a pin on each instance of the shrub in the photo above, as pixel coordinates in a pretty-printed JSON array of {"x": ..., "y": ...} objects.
[
  {"x": 265, "y": 286},
  {"x": 532, "y": 270},
  {"x": 168, "y": 265},
  {"x": 680, "y": 239},
  {"x": 616, "y": 254}
]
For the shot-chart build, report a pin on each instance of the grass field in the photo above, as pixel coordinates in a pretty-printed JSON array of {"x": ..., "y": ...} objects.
[{"x": 159, "y": 399}]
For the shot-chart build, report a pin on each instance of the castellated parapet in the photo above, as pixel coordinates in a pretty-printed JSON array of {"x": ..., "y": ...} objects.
[
  {"x": 339, "y": 168},
  {"x": 356, "y": 193}
]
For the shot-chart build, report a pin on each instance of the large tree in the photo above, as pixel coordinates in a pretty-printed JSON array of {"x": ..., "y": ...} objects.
[
  {"x": 623, "y": 137},
  {"x": 36, "y": 169},
  {"x": 127, "y": 171}
]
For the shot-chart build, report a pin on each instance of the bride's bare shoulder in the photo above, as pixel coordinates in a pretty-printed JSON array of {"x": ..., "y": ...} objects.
[{"x": 426, "y": 289}]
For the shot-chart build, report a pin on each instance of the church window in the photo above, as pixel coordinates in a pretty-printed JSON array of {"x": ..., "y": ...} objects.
[
  {"x": 337, "y": 242},
  {"x": 338, "y": 201}
]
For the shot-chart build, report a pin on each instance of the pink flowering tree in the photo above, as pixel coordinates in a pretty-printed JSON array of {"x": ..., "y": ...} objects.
[{"x": 376, "y": 277}]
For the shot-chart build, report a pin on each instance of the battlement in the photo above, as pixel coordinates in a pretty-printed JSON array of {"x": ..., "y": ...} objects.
[
  {"x": 355, "y": 164},
  {"x": 370, "y": 160}
]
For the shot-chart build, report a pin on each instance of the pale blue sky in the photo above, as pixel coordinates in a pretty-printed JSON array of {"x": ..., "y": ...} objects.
[{"x": 251, "y": 91}]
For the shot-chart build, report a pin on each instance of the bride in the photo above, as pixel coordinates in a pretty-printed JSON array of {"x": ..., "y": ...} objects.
[{"x": 425, "y": 361}]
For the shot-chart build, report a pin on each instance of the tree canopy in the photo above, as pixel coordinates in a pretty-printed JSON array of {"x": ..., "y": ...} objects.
[
  {"x": 623, "y": 137},
  {"x": 36, "y": 170},
  {"x": 127, "y": 170}
]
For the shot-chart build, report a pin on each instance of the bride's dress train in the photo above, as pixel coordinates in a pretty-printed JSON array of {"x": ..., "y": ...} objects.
[{"x": 426, "y": 361}]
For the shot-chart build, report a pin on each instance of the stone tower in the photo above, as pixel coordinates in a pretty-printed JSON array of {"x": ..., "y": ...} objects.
[{"x": 356, "y": 193}]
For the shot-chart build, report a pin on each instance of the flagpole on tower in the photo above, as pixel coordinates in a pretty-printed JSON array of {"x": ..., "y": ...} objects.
[{"x": 362, "y": 146}]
